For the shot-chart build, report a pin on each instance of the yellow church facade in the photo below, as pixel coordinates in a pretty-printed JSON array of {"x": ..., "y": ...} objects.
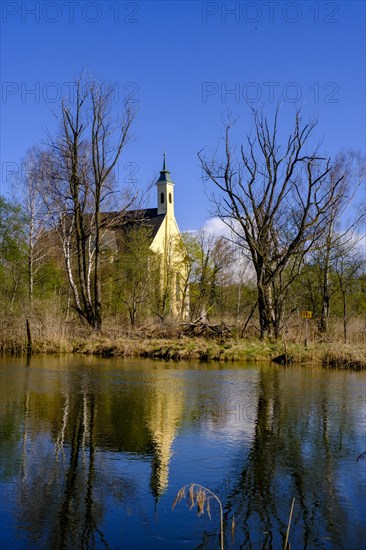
[
  {"x": 166, "y": 247},
  {"x": 167, "y": 243}
]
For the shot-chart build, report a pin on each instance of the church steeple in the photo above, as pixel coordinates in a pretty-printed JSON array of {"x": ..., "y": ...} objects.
[
  {"x": 164, "y": 173},
  {"x": 165, "y": 189}
]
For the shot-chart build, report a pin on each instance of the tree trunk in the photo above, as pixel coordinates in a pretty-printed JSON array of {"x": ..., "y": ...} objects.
[
  {"x": 97, "y": 288},
  {"x": 29, "y": 338},
  {"x": 267, "y": 319},
  {"x": 16, "y": 280},
  {"x": 30, "y": 263},
  {"x": 278, "y": 319},
  {"x": 344, "y": 316},
  {"x": 325, "y": 312}
]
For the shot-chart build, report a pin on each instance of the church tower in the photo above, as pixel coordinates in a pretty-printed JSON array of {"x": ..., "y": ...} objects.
[{"x": 165, "y": 190}]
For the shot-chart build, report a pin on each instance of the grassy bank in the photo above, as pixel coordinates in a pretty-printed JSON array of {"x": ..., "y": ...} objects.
[
  {"x": 253, "y": 351},
  {"x": 332, "y": 355}
]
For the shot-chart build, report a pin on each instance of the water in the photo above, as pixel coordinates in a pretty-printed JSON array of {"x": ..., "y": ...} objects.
[{"x": 94, "y": 451}]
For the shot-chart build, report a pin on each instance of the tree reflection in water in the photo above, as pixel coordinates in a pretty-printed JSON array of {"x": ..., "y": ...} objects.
[
  {"x": 62, "y": 494},
  {"x": 299, "y": 442},
  {"x": 83, "y": 445},
  {"x": 57, "y": 502}
]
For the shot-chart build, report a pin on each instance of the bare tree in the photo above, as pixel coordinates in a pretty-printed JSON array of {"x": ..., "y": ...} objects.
[
  {"x": 35, "y": 221},
  {"x": 133, "y": 282},
  {"x": 208, "y": 261},
  {"x": 348, "y": 265},
  {"x": 338, "y": 235},
  {"x": 12, "y": 249},
  {"x": 162, "y": 270},
  {"x": 276, "y": 200},
  {"x": 78, "y": 175}
]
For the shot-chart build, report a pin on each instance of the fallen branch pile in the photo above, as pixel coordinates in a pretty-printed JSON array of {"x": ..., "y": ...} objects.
[{"x": 205, "y": 330}]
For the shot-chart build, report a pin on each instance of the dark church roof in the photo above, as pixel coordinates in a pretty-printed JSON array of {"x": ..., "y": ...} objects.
[
  {"x": 130, "y": 219},
  {"x": 117, "y": 225}
]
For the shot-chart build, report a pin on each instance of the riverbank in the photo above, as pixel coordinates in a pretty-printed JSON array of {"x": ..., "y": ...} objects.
[
  {"x": 332, "y": 354},
  {"x": 253, "y": 351}
]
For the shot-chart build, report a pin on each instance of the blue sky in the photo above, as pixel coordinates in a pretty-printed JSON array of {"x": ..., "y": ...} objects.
[{"x": 186, "y": 64}]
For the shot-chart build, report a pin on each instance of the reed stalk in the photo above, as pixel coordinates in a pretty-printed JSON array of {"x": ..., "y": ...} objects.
[
  {"x": 287, "y": 546},
  {"x": 200, "y": 496}
]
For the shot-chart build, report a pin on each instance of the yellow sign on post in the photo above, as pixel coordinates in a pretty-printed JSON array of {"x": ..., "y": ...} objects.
[{"x": 307, "y": 314}]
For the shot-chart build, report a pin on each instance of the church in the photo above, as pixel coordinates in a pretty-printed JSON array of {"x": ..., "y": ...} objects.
[{"x": 165, "y": 241}]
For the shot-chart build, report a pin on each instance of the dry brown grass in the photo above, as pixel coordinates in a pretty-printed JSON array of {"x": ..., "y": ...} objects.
[{"x": 50, "y": 334}]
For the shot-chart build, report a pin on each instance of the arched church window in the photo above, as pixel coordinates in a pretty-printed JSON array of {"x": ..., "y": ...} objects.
[
  {"x": 170, "y": 198},
  {"x": 162, "y": 198}
]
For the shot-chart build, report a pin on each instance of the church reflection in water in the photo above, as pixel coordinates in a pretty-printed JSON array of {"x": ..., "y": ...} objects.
[
  {"x": 80, "y": 442},
  {"x": 63, "y": 423}
]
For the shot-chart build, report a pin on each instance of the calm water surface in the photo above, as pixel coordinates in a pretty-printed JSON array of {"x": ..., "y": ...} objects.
[{"x": 93, "y": 452}]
